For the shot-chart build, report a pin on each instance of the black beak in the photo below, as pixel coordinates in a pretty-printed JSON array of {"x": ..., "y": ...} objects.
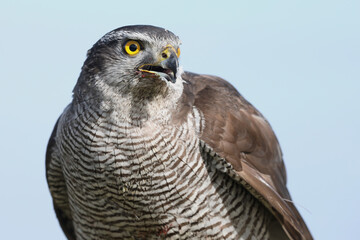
[
  {"x": 171, "y": 63},
  {"x": 167, "y": 68}
]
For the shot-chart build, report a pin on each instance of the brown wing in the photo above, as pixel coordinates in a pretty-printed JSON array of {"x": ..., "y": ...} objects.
[
  {"x": 56, "y": 182},
  {"x": 237, "y": 132}
]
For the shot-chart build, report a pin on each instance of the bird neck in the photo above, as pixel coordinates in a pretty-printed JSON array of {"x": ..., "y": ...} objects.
[{"x": 158, "y": 109}]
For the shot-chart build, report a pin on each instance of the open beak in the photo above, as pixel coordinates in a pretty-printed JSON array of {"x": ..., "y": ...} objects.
[{"x": 166, "y": 68}]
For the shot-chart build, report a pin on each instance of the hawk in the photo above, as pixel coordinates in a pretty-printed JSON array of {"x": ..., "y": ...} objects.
[{"x": 146, "y": 150}]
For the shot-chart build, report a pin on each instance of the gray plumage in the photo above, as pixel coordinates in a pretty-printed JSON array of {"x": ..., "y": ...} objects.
[{"x": 147, "y": 151}]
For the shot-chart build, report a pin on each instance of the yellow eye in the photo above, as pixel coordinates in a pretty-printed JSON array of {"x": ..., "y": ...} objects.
[
  {"x": 132, "y": 47},
  {"x": 178, "y": 52}
]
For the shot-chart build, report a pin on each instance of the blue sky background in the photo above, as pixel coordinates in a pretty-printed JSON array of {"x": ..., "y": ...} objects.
[{"x": 297, "y": 61}]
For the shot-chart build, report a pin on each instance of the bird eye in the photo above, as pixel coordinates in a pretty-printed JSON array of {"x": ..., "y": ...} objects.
[
  {"x": 178, "y": 52},
  {"x": 132, "y": 47}
]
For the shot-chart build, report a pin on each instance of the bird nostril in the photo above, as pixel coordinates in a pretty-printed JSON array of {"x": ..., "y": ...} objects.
[{"x": 164, "y": 55}]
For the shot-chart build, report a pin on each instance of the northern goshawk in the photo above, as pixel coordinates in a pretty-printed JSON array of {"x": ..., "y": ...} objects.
[{"x": 148, "y": 151}]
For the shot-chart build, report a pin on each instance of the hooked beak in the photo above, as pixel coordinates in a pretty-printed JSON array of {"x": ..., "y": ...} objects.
[{"x": 166, "y": 68}]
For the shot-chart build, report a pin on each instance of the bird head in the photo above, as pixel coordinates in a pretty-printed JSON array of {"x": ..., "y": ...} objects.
[{"x": 140, "y": 62}]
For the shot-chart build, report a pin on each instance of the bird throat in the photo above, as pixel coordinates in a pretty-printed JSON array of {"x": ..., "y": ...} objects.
[{"x": 149, "y": 89}]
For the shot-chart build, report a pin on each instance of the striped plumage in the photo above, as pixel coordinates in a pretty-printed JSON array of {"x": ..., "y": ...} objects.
[
  {"x": 122, "y": 164},
  {"x": 145, "y": 179}
]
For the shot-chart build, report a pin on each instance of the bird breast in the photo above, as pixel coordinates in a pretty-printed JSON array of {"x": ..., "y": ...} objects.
[{"x": 148, "y": 182}]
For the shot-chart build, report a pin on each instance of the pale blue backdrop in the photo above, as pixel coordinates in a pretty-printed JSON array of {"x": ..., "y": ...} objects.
[{"x": 297, "y": 61}]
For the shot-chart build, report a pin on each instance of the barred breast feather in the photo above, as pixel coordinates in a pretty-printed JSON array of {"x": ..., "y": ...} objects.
[{"x": 214, "y": 171}]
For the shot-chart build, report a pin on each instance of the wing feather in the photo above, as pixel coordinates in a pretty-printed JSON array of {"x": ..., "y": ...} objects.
[
  {"x": 56, "y": 182},
  {"x": 238, "y": 133}
]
